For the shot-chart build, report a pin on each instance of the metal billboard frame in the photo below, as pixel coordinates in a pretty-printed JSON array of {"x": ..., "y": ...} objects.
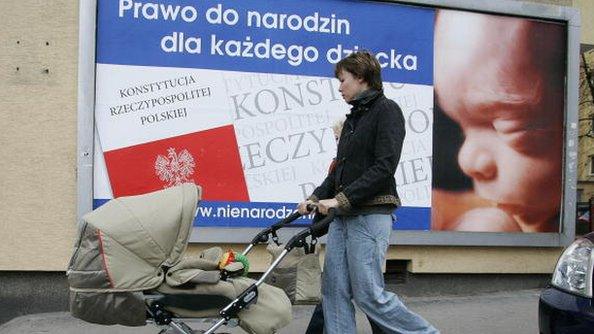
[{"x": 570, "y": 16}]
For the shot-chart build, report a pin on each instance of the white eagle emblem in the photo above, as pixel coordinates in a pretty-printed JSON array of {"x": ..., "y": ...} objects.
[{"x": 175, "y": 169}]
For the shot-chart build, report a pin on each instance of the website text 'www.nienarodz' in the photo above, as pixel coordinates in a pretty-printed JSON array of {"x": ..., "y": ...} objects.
[{"x": 229, "y": 211}]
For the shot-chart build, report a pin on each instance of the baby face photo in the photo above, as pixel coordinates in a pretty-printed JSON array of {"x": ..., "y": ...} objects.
[{"x": 498, "y": 131}]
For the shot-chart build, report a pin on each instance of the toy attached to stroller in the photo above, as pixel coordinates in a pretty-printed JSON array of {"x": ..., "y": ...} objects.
[{"x": 129, "y": 267}]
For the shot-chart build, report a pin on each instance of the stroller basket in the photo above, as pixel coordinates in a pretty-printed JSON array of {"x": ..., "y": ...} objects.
[{"x": 129, "y": 267}]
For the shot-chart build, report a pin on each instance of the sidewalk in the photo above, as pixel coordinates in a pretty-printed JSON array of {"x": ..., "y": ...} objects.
[{"x": 493, "y": 313}]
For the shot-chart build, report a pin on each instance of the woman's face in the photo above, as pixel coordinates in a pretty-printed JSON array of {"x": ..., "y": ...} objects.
[{"x": 350, "y": 86}]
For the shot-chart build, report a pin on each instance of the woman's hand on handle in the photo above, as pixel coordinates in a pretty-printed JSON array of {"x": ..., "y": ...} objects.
[
  {"x": 302, "y": 207},
  {"x": 326, "y": 204}
]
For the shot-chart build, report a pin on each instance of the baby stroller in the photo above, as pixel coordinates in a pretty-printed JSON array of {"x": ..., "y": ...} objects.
[{"x": 129, "y": 267}]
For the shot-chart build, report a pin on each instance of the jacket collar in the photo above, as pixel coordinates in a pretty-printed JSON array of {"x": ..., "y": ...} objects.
[{"x": 362, "y": 101}]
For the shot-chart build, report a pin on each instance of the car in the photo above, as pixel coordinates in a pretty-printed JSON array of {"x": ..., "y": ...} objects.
[{"x": 566, "y": 305}]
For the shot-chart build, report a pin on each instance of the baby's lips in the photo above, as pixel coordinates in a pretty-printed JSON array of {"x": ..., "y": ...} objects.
[{"x": 511, "y": 208}]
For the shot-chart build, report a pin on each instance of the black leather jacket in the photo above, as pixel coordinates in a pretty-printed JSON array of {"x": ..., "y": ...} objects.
[{"x": 368, "y": 154}]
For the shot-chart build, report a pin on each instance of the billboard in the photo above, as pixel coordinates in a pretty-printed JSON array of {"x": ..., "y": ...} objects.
[
  {"x": 499, "y": 111},
  {"x": 240, "y": 97}
]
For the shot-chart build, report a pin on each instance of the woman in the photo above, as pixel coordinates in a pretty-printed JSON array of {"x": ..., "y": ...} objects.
[{"x": 363, "y": 190}]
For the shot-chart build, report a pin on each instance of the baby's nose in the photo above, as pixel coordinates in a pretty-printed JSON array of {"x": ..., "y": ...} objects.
[{"x": 477, "y": 160}]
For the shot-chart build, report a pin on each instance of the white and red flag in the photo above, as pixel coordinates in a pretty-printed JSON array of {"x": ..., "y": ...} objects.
[
  {"x": 160, "y": 127},
  {"x": 209, "y": 158}
]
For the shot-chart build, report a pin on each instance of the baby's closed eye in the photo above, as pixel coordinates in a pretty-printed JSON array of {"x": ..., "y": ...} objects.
[{"x": 523, "y": 136}]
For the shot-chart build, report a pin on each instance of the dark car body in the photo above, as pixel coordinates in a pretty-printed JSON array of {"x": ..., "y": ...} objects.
[{"x": 560, "y": 311}]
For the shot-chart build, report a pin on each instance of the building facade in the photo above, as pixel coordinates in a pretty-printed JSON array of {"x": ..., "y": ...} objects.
[{"x": 38, "y": 125}]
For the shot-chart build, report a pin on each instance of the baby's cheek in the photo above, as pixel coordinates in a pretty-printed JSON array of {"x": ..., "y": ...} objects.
[
  {"x": 534, "y": 143},
  {"x": 535, "y": 175}
]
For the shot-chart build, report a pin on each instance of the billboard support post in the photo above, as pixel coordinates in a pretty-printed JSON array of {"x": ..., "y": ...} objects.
[{"x": 86, "y": 105}]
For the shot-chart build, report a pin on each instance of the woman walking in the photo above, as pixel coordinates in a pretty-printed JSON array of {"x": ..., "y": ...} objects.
[{"x": 363, "y": 190}]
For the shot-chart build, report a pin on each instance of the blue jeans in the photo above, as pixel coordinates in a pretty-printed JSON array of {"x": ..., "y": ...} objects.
[{"x": 355, "y": 252}]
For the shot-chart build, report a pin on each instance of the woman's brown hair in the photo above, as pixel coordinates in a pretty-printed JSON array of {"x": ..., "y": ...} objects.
[{"x": 362, "y": 65}]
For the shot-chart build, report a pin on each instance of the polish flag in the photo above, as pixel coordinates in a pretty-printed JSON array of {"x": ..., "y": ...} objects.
[{"x": 209, "y": 158}]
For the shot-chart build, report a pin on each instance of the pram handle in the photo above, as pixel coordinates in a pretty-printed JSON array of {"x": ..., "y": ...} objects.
[
  {"x": 321, "y": 228},
  {"x": 291, "y": 218},
  {"x": 315, "y": 231},
  {"x": 250, "y": 295},
  {"x": 264, "y": 235}
]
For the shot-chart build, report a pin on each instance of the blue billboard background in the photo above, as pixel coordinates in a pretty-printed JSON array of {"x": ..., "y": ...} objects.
[
  {"x": 134, "y": 33},
  {"x": 134, "y": 36}
]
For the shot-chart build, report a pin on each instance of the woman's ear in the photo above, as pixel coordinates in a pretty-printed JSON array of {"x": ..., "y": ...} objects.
[{"x": 363, "y": 83}]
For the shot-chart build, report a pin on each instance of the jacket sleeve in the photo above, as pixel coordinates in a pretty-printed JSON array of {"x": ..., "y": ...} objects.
[{"x": 389, "y": 136}]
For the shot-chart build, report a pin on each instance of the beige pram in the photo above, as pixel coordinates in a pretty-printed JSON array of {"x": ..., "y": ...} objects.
[{"x": 129, "y": 267}]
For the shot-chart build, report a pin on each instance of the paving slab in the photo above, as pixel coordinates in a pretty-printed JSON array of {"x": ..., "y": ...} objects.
[{"x": 493, "y": 313}]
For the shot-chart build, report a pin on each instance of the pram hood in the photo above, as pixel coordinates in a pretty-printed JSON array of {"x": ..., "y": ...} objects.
[
  {"x": 136, "y": 237},
  {"x": 126, "y": 246}
]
